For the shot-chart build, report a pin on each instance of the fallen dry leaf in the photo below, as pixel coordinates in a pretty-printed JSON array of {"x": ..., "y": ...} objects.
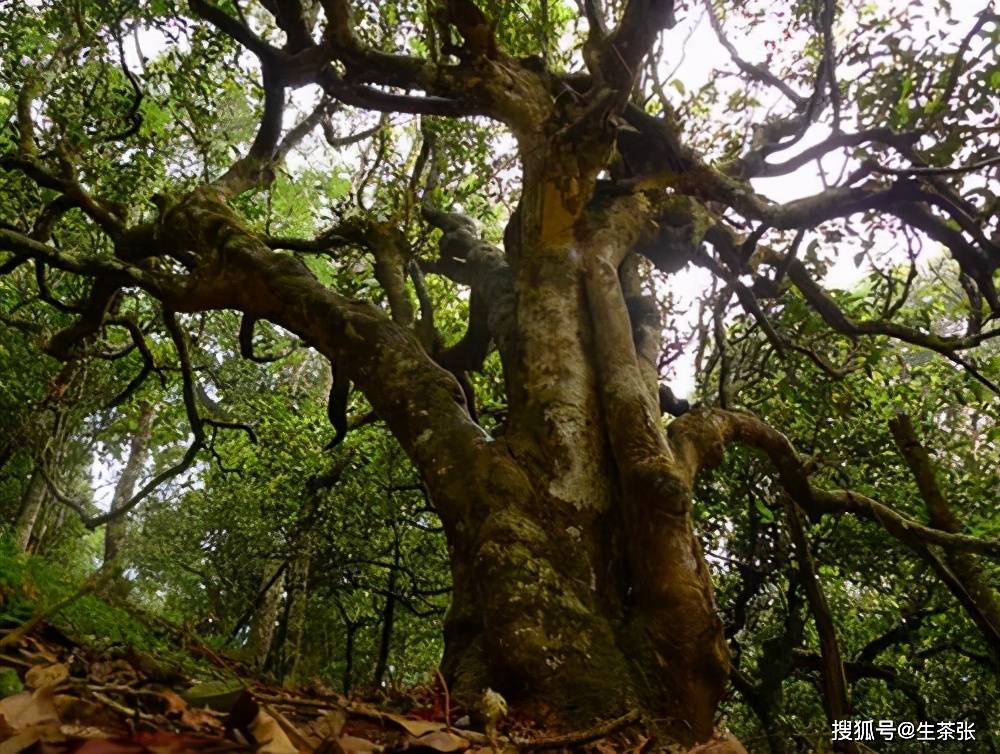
[
  {"x": 415, "y": 728},
  {"x": 192, "y": 717},
  {"x": 28, "y": 737},
  {"x": 331, "y": 725},
  {"x": 73, "y": 709},
  {"x": 29, "y": 708},
  {"x": 439, "y": 740},
  {"x": 41, "y": 676},
  {"x": 298, "y": 740},
  {"x": 352, "y": 745},
  {"x": 326, "y": 731},
  {"x": 200, "y": 719},
  {"x": 18, "y": 743},
  {"x": 112, "y": 671},
  {"x": 270, "y": 737},
  {"x": 174, "y": 702}
]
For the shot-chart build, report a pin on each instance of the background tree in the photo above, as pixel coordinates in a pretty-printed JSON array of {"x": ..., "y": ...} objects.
[
  {"x": 483, "y": 249},
  {"x": 913, "y": 606}
]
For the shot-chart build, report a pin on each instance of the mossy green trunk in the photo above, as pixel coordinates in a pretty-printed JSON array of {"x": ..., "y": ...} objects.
[
  {"x": 553, "y": 607},
  {"x": 581, "y": 591}
]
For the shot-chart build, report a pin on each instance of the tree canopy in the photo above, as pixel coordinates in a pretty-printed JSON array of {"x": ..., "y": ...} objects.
[{"x": 634, "y": 355}]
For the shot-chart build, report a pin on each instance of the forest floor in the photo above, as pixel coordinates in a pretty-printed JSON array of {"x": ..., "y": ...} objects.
[
  {"x": 63, "y": 696},
  {"x": 80, "y": 675}
]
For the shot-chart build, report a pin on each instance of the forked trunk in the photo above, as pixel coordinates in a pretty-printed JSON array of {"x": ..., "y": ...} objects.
[{"x": 581, "y": 591}]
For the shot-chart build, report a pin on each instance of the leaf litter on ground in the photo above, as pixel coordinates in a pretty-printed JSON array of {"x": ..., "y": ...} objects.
[{"x": 67, "y": 699}]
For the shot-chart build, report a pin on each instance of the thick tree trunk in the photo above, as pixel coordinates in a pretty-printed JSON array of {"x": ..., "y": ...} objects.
[
  {"x": 550, "y": 613},
  {"x": 114, "y": 530},
  {"x": 31, "y": 504},
  {"x": 583, "y": 590}
]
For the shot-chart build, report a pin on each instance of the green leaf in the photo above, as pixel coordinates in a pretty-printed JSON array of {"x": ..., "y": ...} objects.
[
  {"x": 217, "y": 695},
  {"x": 766, "y": 514}
]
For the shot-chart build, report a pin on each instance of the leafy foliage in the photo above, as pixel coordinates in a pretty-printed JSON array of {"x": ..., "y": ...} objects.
[{"x": 315, "y": 556}]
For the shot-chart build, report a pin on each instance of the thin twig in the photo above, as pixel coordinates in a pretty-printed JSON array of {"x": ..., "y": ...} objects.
[
  {"x": 447, "y": 699},
  {"x": 581, "y": 737}
]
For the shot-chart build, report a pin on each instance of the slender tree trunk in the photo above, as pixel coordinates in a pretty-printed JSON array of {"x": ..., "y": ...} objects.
[
  {"x": 114, "y": 530},
  {"x": 277, "y": 657},
  {"x": 300, "y": 566},
  {"x": 264, "y": 623},
  {"x": 31, "y": 504},
  {"x": 388, "y": 620},
  {"x": 51, "y": 520},
  {"x": 352, "y": 632},
  {"x": 298, "y": 596}
]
